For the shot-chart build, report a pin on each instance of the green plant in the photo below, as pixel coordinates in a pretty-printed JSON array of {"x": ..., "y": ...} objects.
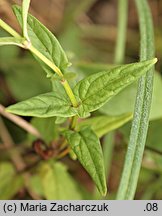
[
  {"x": 80, "y": 135},
  {"x": 142, "y": 108}
]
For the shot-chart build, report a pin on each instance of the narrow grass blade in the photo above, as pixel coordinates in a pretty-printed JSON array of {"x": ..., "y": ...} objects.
[{"x": 139, "y": 128}]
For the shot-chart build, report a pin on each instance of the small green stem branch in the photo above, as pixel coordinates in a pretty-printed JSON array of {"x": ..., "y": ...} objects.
[
  {"x": 64, "y": 153},
  {"x": 8, "y": 29},
  {"x": 122, "y": 26},
  {"x": 57, "y": 70},
  {"x": 70, "y": 93},
  {"x": 46, "y": 60},
  {"x": 139, "y": 128},
  {"x": 27, "y": 45}
]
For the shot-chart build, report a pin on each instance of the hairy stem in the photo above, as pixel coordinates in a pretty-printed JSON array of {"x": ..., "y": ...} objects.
[{"x": 139, "y": 128}]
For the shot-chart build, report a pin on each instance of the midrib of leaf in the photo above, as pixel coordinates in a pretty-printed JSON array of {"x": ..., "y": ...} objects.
[
  {"x": 98, "y": 177},
  {"x": 139, "y": 128},
  {"x": 111, "y": 83},
  {"x": 89, "y": 161},
  {"x": 103, "y": 87}
]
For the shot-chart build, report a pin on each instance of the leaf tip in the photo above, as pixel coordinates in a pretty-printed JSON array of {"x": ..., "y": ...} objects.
[{"x": 104, "y": 192}]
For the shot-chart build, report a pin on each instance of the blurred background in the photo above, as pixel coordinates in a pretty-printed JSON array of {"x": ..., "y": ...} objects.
[{"x": 87, "y": 30}]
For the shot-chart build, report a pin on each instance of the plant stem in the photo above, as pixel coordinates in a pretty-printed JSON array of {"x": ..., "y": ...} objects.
[
  {"x": 73, "y": 122},
  {"x": 122, "y": 26},
  {"x": 64, "y": 153},
  {"x": 70, "y": 93},
  {"x": 20, "y": 122},
  {"x": 46, "y": 60},
  {"x": 10, "y": 30},
  {"x": 139, "y": 128},
  {"x": 57, "y": 70}
]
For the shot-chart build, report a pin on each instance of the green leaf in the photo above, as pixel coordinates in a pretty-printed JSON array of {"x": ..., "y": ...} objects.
[
  {"x": 70, "y": 76},
  {"x": 101, "y": 125},
  {"x": 11, "y": 41},
  {"x": 10, "y": 184},
  {"x": 45, "y": 42},
  {"x": 46, "y": 127},
  {"x": 44, "y": 105},
  {"x": 125, "y": 100},
  {"x": 86, "y": 146},
  {"x": 122, "y": 102},
  {"x": 35, "y": 185},
  {"x": 25, "y": 8},
  {"x": 95, "y": 90},
  {"x": 134, "y": 154},
  {"x": 57, "y": 183}
]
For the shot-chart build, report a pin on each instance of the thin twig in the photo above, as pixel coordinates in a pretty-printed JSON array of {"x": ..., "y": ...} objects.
[
  {"x": 63, "y": 153},
  {"x": 20, "y": 122},
  {"x": 15, "y": 156},
  {"x": 8, "y": 143}
]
